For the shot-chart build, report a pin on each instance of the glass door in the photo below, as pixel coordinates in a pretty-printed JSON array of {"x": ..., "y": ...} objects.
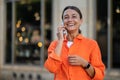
[
  {"x": 116, "y": 32},
  {"x": 108, "y": 33},
  {"x": 102, "y": 28},
  {"x": 27, "y": 28},
  {"x": 27, "y": 32}
]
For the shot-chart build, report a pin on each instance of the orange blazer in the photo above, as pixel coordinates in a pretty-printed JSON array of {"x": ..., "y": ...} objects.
[{"x": 85, "y": 48}]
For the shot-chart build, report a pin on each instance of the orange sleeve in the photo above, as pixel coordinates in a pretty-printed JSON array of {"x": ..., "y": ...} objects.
[
  {"x": 53, "y": 61},
  {"x": 96, "y": 62}
]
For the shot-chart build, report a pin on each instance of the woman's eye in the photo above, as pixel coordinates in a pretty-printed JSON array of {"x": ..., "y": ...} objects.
[
  {"x": 74, "y": 16},
  {"x": 66, "y": 17}
]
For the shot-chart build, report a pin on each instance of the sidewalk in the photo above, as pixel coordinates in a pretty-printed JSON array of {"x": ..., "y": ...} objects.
[
  {"x": 109, "y": 75},
  {"x": 45, "y": 75},
  {"x": 113, "y": 74}
]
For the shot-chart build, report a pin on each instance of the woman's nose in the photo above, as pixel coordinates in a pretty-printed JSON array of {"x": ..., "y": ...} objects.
[{"x": 70, "y": 18}]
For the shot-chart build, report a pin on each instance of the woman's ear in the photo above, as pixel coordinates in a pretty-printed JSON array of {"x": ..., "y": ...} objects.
[{"x": 81, "y": 20}]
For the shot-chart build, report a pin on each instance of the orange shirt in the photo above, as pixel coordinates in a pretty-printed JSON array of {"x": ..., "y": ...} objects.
[{"x": 85, "y": 48}]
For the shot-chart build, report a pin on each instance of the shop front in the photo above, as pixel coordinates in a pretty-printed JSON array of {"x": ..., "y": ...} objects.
[
  {"x": 26, "y": 37},
  {"x": 28, "y": 27}
]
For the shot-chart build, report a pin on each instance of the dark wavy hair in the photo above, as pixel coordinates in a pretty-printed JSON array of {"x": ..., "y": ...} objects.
[{"x": 73, "y": 8}]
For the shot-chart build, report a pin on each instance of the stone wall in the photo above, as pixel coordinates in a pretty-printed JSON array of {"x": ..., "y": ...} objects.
[{"x": 26, "y": 75}]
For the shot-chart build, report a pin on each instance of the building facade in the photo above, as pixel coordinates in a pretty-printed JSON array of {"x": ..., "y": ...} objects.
[{"x": 28, "y": 27}]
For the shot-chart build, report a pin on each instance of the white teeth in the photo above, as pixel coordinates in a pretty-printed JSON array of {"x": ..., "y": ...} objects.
[{"x": 70, "y": 24}]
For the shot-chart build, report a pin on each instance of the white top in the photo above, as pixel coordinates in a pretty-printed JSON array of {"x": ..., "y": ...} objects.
[{"x": 69, "y": 43}]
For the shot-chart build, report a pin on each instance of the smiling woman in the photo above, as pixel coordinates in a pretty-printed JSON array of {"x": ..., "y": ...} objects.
[{"x": 73, "y": 52}]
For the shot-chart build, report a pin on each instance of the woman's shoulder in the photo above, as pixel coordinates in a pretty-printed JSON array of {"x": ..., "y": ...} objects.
[
  {"x": 54, "y": 42},
  {"x": 90, "y": 40},
  {"x": 87, "y": 39}
]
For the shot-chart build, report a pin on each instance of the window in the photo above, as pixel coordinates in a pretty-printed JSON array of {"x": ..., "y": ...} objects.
[
  {"x": 102, "y": 28},
  {"x": 24, "y": 31},
  {"x": 27, "y": 33},
  {"x": 8, "y": 56},
  {"x": 116, "y": 32},
  {"x": 113, "y": 30}
]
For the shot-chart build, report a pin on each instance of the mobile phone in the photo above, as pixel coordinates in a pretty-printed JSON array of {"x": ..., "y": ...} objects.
[{"x": 64, "y": 31}]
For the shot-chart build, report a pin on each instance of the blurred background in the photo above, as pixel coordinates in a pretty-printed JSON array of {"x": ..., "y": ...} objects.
[{"x": 28, "y": 26}]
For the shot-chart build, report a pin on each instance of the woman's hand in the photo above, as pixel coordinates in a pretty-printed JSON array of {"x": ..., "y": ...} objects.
[
  {"x": 60, "y": 32},
  {"x": 77, "y": 60},
  {"x": 60, "y": 36}
]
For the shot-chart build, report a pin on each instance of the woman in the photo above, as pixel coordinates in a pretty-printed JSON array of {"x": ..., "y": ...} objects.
[{"x": 73, "y": 56}]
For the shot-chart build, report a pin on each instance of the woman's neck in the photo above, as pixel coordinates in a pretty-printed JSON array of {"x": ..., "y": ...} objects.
[{"x": 71, "y": 36}]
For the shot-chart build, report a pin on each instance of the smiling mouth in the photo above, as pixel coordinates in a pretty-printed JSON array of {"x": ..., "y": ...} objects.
[{"x": 71, "y": 25}]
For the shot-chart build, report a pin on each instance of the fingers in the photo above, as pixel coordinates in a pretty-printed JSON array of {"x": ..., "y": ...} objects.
[
  {"x": 72, "y": 56},
  {"x": 60, "y": 32},
  {"x": 60, "y": 29},
  {"x": 74, "y": 60}
]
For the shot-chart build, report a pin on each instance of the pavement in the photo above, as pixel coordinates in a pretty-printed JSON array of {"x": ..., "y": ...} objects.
[
  {"x": 45, "y": 75},
  {"x": 109, "y": 75},
  {"x": 113, "y": 74}
]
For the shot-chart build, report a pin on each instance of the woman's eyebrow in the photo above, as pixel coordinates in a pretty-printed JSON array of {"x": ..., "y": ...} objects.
[
  {"x": 74, "y": 14},
  {"x": 65, "y": 15}
]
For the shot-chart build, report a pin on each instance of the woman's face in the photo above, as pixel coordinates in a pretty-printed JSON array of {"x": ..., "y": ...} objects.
[{"x": 71, "y": 20}]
